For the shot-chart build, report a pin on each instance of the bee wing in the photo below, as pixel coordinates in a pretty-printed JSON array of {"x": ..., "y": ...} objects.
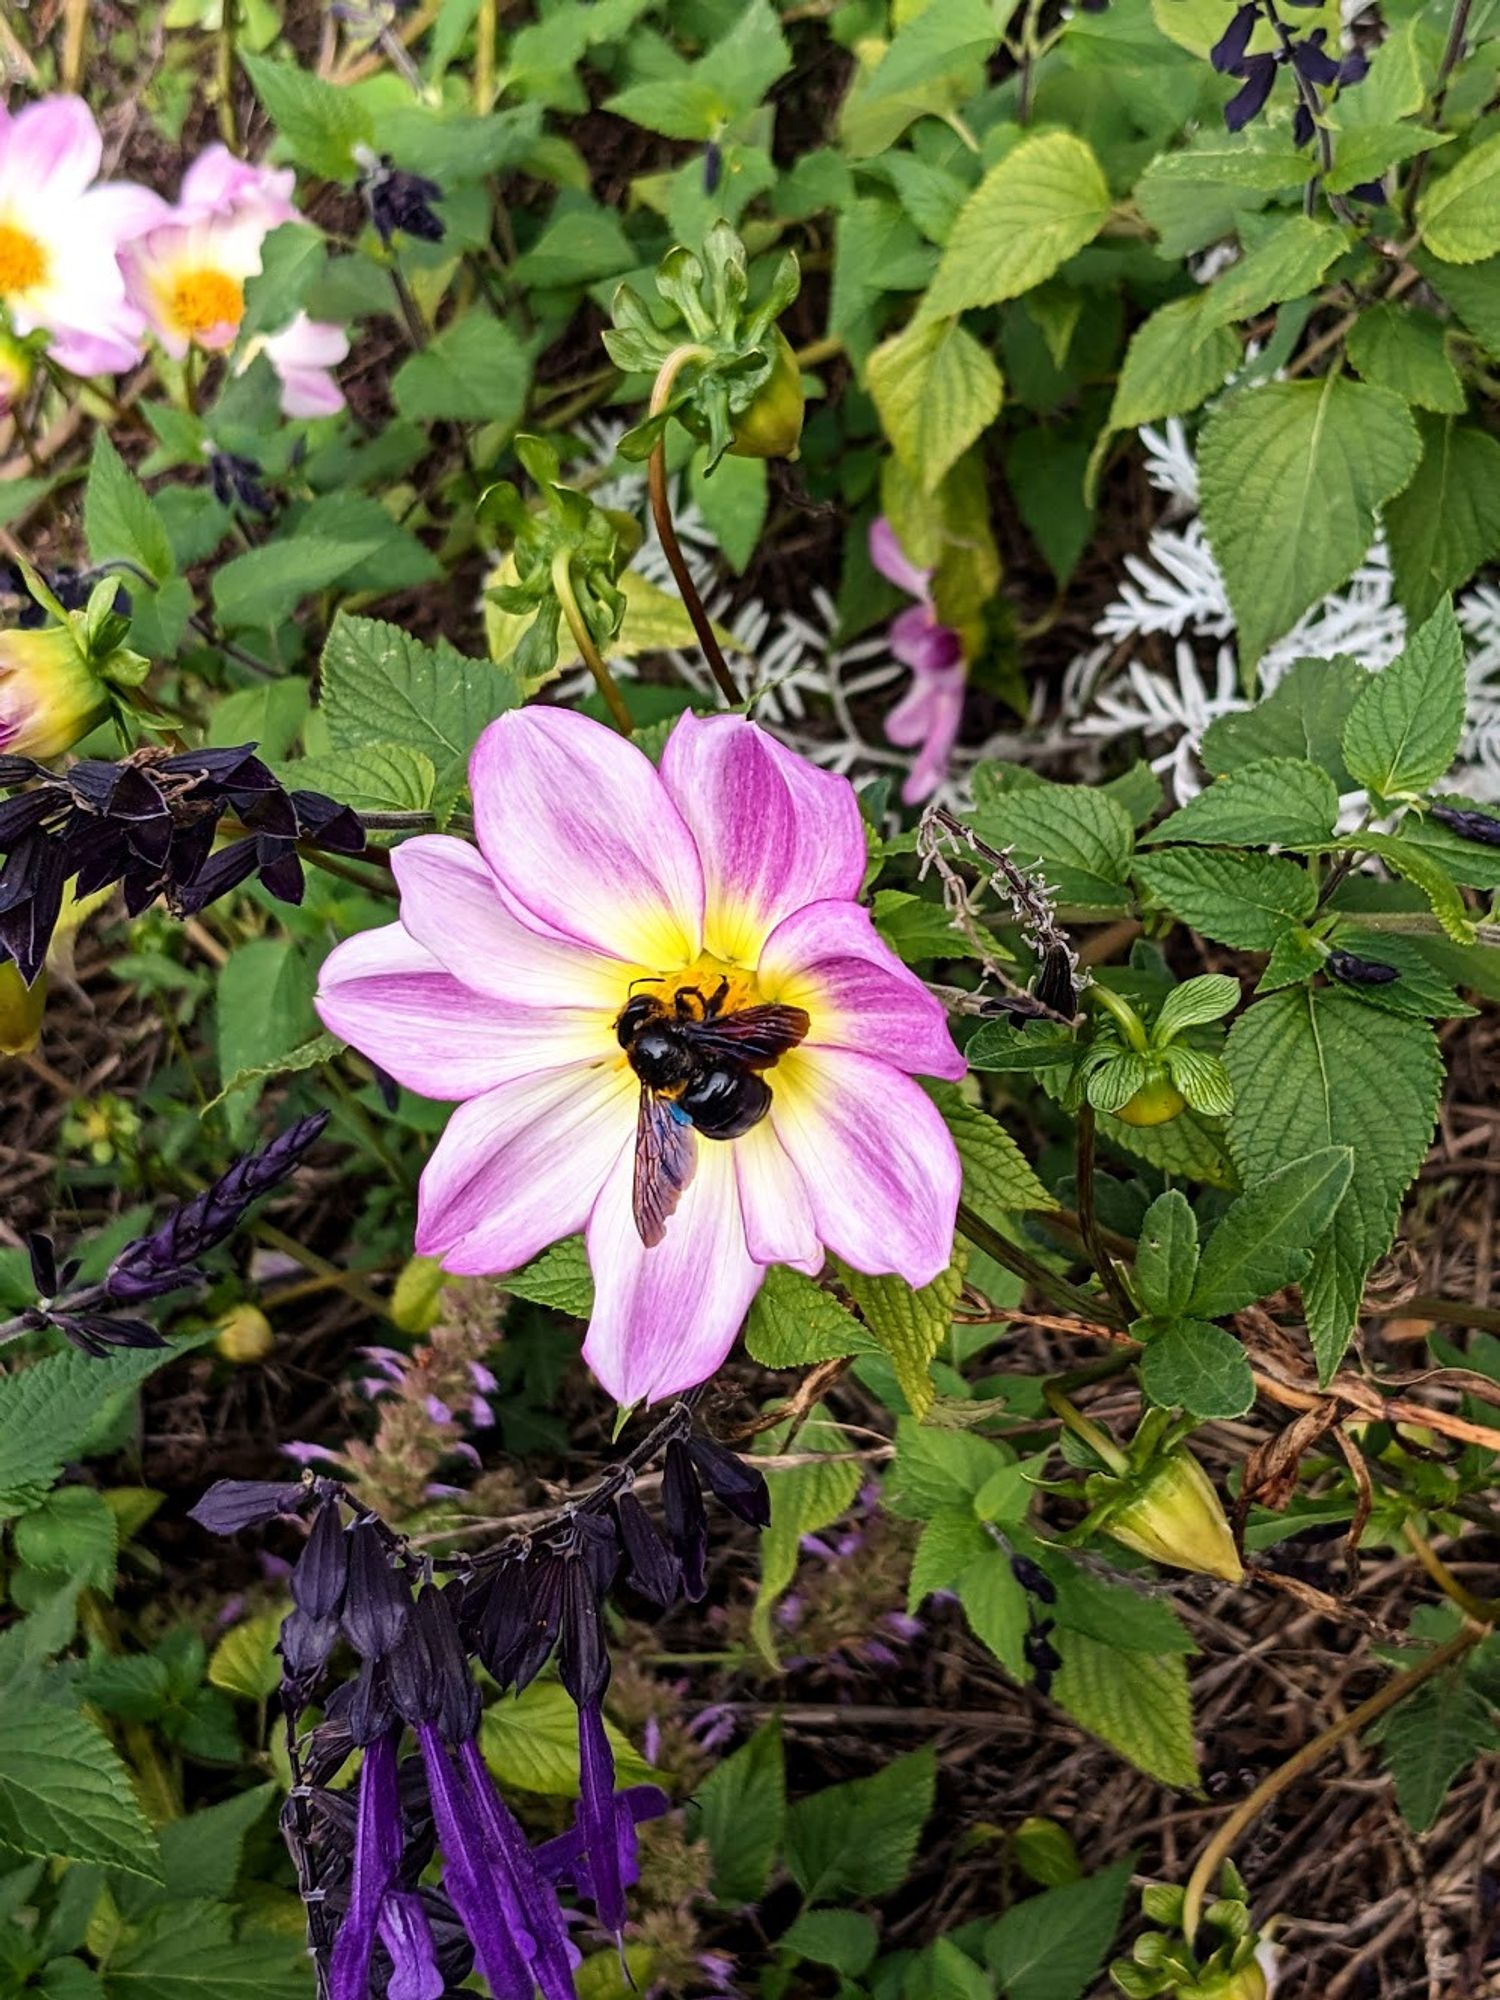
[
  {"x": 755, "y": 1036},
  {"x": 665, "y": 1156}
]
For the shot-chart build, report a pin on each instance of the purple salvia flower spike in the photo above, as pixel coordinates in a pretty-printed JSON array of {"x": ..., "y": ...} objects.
[
  {"x": 468, "y": 1876},
  {"x": 377, "y": 1857},
  {"x": 407, "y": 1936}
]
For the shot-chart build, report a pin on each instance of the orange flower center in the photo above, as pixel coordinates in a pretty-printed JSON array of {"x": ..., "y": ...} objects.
[
  {"x": 199, "y": 301},
  {"x": 23, "y": 261},
  {"x": 703, "y": 980}
]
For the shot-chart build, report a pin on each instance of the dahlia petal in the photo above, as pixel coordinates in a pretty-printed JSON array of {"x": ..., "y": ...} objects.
[
  {"x": 523, "y": 1165},
  {"x": 878, "y": 1163},
  {"x": 452, "y": 904},
  {"x": 53, "y": 149},
  {"x": 778, "y": 1217},
  {"x": 578, "y": 827},
  {"x": 927, "y": 718},
  {"x": 893, "y": 562},
  {"x": 217, "y": 180},
  {"x": 665, "y": 1318},
  {"x": 395, "y": 1003},
  {"x": 773, "y": 832},
  {"x": 829, "y": 959}
]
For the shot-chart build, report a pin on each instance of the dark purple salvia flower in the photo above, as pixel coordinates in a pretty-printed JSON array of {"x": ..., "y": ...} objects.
[
  {"x": 734, "y": 1482},
  {"x": 235, "y": 479},
  {"x": 317, "y": 1580},
  {"x": 1250, "y": 99},
  {"x": 1041, "y": 1655},
  {"x": 149, "y": 822},
  {"x": 1033, "y": 1579},
  {"x": 377, "y": 1601},
  {"x": 400, "y": 200},
  {"x": 1469, "y": 824},
  {"x": 608, "y": 1836},
  {"x": 167, "y": 1258},
  {"x": 1312, "y": 61},
  {"x": 1228, "y": 52},
  {"x": 528, "y": 1898},
  {"x": 1356, "y": 971},
  {"x": 406, "y": 1932},
  {"x": 232, "y": 1504},
  {"x": 377, "y": 1860},
  {"x": 686, "y": 1519},
  {"x": 1303, "y": 126},
  {"x": 306, "y": 1646},
  {"x": 650, "y": 1566}
]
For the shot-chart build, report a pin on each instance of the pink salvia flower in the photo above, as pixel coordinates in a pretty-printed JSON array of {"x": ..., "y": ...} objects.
[
  {"x": 60, "y": 231},
  {"x": 926, "y": 718},
  {"x": 501, "y": 985}
]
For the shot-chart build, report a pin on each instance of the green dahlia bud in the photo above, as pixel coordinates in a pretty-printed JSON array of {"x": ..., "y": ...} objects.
[
  {"x": 1155, "y": 1103},
  {"x": 51, "y": 693},
  {"x": 1177, "y": 1520},
  {"x": 771, "y": 427}
]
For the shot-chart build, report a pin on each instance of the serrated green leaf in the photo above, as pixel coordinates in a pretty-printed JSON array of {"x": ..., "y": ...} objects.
[
  {"x": 1303, "y": 716},
  {"x": 380, "y": 685},
  {"x": 997, "y": 1175},
  {"x": 376, "y": 777},
  {"x": 245, "y": 1661},
  {"x": 1403, "y": 732},
  {"x": 48, "y": 1409},
  {"x": 1293, "y": 475},
  {"x": 1288, "y": 264},
  {"x": 1447, "y": 521},
  {"x": 1080, "y": 839},
  {"x": 1187, "y": 1144},
  {"x": 321, "y": 123},
  {"x": 1167, "y": 1256},
  {"x": 1313, "y": 1069},
  {"x": 1174, "y": 362},
  {"x": 1432, "y": 1736},
  {"x": 1367, "y": 152},
  {"x": 201, "y": 1852},
  {"x": 743, "y": 1806},
  {"x": 475, "y": 371},
  {"x": 263, "y": 1008},
  {"x": 1138, "y": 1705},
  {"x": 309, "y": 1055},
  {"x": 1458, "y": 216},
  {"x": 948, "y": 1544},
  {"x": 936, "y": 390},
  {"x": 1198, "y": 1367},
  {"x": 1419, "y": 868},
  {"x": 1245, "y": 900},
  {"x": 1265, "y": 1238},
  {"x": 73, "y": 1534},
  {"x": 292, "y": 258},
  {"x": 1397, "y": 348},
  {"x": 1475, "y": 863},
  {"x": 1421, "y": 988},
  {"x": 188, "y": 1951},
  {"x": 859, "y": 1839},
  {"x": 937, "y": 1469},
  {"x": 530, "y": 1741},
  {"x": 119, "y": 517},
  {"x": 998, "y": 1045},
  {"x": 1278, "y": 801},
  {"x": 997, "y": 1608},
  {"x": 804, "y": 1498},
  {"x": 794, "y": 1321},
  {"x": 1052, "y": 1946},
  {"x": 64, "y": 1792},
  {"x": 1119, "y": 1615},
  {"x": 845, "y": 1939},
  {"x": 266, "y": 584},
  {"x": 910, "y": 1325},
  {"x": 1044, "y": 201},
  {"x": 915, "y": 927},
  {"x": 559, "y": 1278}
]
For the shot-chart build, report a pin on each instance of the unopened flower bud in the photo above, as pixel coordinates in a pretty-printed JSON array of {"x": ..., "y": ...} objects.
[
  {"x": 1155, "y": 1103},
  {"x": 771, "y": 427},
  {"x": 1481, "y": 826},
  {"x": 50, "y": 693},
  {"x": 244, "y": 1334},
  {"x": 1177, "y": 1520},
  {"x": 20, "y": 1010}
]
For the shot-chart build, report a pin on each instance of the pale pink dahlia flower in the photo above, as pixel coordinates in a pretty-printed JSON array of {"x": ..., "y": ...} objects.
[
  {"x": 927, "y": 716},
  {"x": 59, "y": 232},
  {"x": 598, "y": 878},
  {"x": 187, "y": 274}
]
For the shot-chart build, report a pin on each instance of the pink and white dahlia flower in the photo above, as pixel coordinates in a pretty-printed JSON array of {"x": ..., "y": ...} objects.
[
  {"x": 187, "y": 274},
  {"x": 730, "y": 872},
  {"x": 59, "y": 233},
  {"x": 927, "y": 717}
]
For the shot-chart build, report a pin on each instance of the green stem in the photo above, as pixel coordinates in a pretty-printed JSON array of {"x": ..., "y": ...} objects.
[
  {"x": 661, "y": 513},
  {"x": 1130, "y": 1022},
  {"x": 1084, "y": 1427},
  {"x": 583, "y": 639},
  {"x": 1088, "y": 1221},
  {"x": 988, "y": 1239}
]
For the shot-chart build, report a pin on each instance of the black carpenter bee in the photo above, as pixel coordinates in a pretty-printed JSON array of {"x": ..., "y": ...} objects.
[{"x": 701, "y": 1071}]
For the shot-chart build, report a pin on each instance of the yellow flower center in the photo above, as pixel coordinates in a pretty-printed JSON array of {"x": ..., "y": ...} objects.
[
  {"x": 704, "y": 978},
  {"x": 199, "y": 301},
  {"x": 23, "y": 261}
]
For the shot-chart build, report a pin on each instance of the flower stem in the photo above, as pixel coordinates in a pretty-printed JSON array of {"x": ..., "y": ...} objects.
[
  {"x": 1482, "y": 1612},
  {"x": 1031, "y": 1269},
  {"x": 1084, "y": 1427},
  {"x": 583, "y": 639},
  {"x": 661, "y": 513},
  {"x": 1130, "y": 1022},
  {"x": 1088, "y": 1220},
  {"x": 1250, "y": 1809}
]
